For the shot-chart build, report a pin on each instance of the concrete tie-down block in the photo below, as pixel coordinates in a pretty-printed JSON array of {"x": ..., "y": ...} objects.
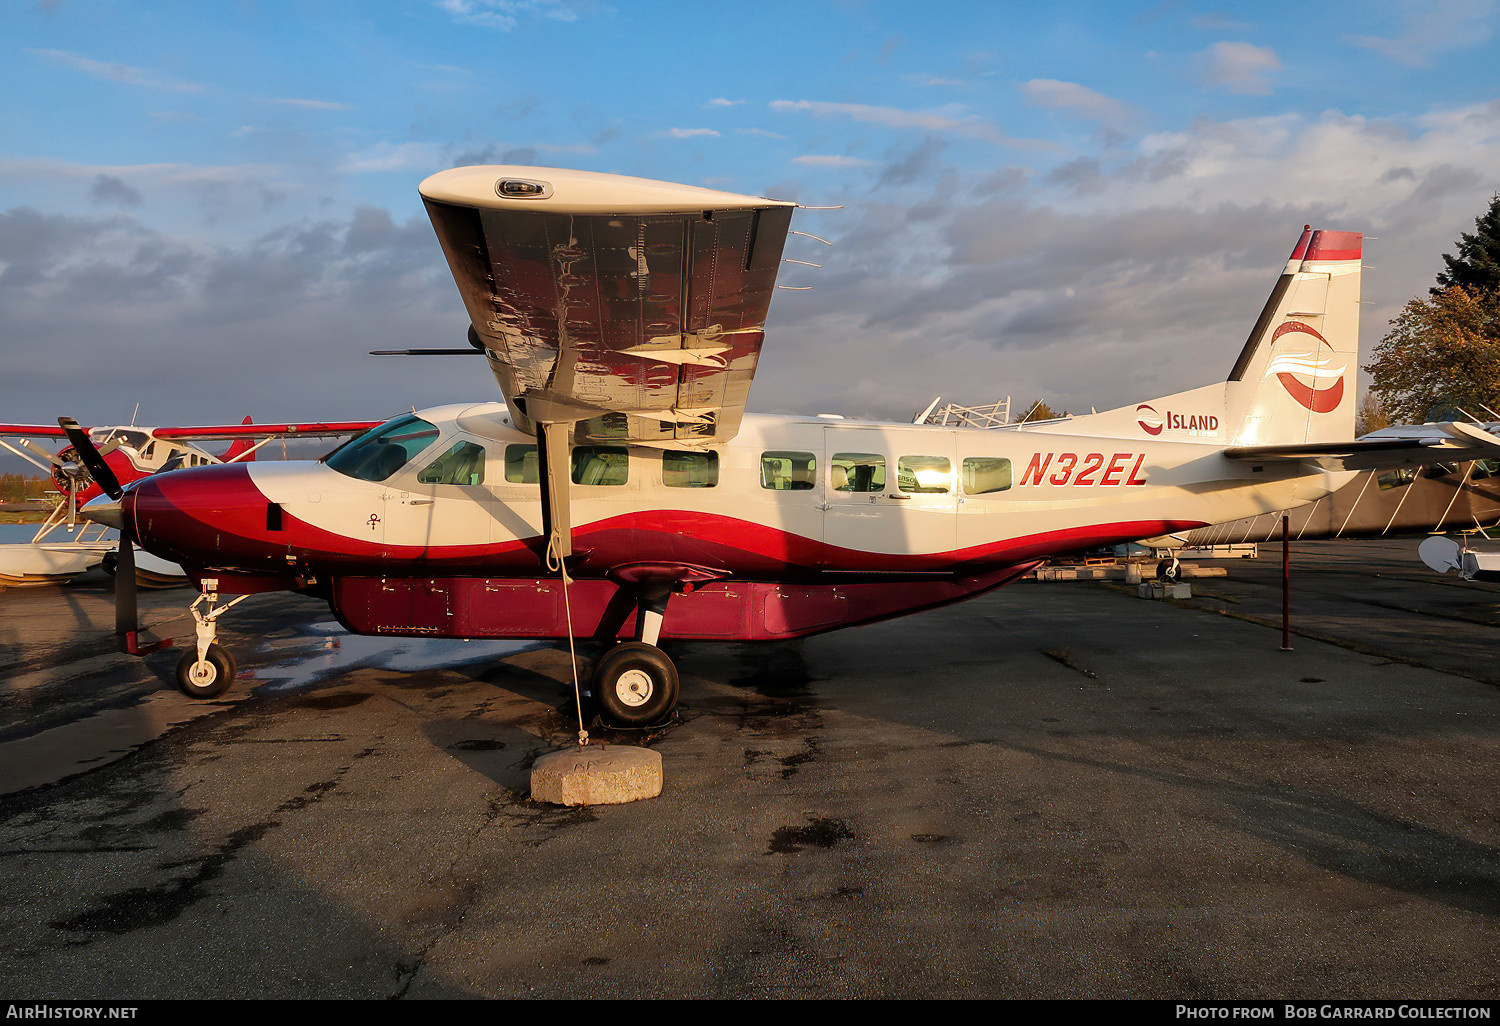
[{"x": 596, "y": 775}]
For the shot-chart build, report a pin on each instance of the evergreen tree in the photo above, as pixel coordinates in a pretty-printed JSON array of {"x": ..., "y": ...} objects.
[{"x": 1477, "y": 265}]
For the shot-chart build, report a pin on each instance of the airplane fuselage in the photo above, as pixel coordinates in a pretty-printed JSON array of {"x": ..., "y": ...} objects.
[{"x": 797, "y": 524}]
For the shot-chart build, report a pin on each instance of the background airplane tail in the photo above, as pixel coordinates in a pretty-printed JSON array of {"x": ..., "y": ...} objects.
[
  {"x": 1296, "y": 379},
  {"x": 236, "y": 452}
]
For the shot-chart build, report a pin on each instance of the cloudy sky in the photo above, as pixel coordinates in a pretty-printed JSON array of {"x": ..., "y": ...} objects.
[{"x": 211, "y": 209}]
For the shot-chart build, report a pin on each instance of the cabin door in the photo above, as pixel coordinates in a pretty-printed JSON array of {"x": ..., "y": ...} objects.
[{"x": 888, "y": 496}]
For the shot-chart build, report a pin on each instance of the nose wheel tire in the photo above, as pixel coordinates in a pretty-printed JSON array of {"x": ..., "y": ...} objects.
[
  {"x": 209, "y": 678},
  {"x": 635, "y": 685}
]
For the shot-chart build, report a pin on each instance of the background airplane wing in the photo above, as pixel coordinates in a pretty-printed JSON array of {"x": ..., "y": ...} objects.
[
  {"x": 309, "y": 430},
  {"x": 631, "y": 308},
  {"x": 33, "y": 430},
  {"x": 1405, "y": 445}
]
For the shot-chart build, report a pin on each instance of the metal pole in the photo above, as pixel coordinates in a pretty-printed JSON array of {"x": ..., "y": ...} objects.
[{"x": 1286, "y": 583}]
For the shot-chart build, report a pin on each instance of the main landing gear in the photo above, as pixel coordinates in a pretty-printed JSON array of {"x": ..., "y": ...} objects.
[
  {"x": 207, "y": 670},
  {"x": 635, "y": 682}
]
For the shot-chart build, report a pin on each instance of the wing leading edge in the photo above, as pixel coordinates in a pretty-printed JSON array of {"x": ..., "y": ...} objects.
[{"x": 629, "y": 308}]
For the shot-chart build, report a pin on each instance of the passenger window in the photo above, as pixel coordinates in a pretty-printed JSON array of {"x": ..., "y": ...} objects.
[
  {"x": 857, "y": 472},
  {"x": 984, "y": 474},
  {"x": 788, "y": 471},
  {"x": 689, "y": 469},
  {"x": 921, "y": 474},
  {"x": 600, "y": 465},
  {"x": 521, "y": 465},
  {"x": 463, "y": 464}
]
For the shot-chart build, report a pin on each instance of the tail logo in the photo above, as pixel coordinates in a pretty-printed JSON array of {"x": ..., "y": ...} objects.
[
  {"x": 1314, "y": 379},
  {"x": 1149, "y": 420}
]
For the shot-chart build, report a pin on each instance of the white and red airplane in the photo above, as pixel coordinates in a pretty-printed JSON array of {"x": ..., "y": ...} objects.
[{"x": 621, "y": 492}]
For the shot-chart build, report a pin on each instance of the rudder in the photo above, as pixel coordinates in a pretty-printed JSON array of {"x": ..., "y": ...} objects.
[{"x": 1296, "y": 378}]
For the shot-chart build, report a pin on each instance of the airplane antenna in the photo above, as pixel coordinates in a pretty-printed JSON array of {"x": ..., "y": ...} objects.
[
  {"x": 1466, "y": 413},
  {"x": 133, "y": 414},
  {"x": 795, "y": 288},
  {"x": 808, "y": 206},
  {"x": 1486, "y": 409},
  {"x": 804, "y": 263},
  {"x": 806, "y": 235}
]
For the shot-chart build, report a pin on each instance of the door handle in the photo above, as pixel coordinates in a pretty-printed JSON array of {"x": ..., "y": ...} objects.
[
  {"x": 897, "y": 495},
  {"x": 420, "y": 502}
]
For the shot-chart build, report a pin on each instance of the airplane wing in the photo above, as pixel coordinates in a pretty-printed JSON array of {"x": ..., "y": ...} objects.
[
  {"x": 33, "y": 430},
  {"x": 1405, "y": 445},
  {"x": 631, "y": 309},
  {"x": 311, "y": 430}
]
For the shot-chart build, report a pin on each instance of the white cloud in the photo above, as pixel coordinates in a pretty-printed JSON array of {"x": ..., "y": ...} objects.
[
  {"x": 720, "y": 101},
  {"x": 689, "y": 133},
  {"x": 760, "y": 131},
  {"x": 118, "y": 72},
  {"x": 506, "y": 14},
  {"x": 833, "y": 160},
  {"x": 1052, "y": 94},
  {"x": 386, "y": 156},
  {"x": 949, "y": 119},
  {"x": 313, "y": 104},
  {"x": 1241, "y": 68},
  {"x": 1432, "y": 27}
]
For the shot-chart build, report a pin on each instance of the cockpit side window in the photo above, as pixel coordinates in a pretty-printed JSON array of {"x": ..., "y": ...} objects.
[
  {"x": 382, "y": 451},
  {"x": 462, "y": 464}
]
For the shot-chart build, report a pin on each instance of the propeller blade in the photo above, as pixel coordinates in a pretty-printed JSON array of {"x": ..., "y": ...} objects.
[
  {"x": 425, "y": 352},
  {"x": 101, "y": 471},
  {"x": 32, "y": 447},
  {"x": 127, "y": 619}
]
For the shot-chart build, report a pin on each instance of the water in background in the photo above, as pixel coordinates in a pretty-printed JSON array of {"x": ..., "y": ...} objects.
[{"x": 20, "y": 534}]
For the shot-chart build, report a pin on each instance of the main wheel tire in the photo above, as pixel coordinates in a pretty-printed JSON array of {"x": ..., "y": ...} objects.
[
  {"x": 635, "y": 685},
  {"x": 1168, "y": 571},
  {"x": 208, "y": 679}
]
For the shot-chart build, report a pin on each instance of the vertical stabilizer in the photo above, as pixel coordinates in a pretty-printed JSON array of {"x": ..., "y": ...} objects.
[
  {"x": 1296, "y": 379},
  {"x": 241, "y": 446}
]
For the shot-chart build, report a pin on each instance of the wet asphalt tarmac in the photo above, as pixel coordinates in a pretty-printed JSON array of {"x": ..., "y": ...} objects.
[{"x": 1056, "y": 790}]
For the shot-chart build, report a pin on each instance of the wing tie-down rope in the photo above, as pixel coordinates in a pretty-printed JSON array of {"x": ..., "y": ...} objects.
[{"x": 555, "y": 562}]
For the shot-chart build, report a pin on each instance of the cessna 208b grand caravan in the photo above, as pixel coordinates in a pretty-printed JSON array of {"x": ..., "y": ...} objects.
[{"x": 622, "y": 494}]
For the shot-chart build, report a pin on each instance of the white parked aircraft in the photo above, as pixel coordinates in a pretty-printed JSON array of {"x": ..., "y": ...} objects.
[{"x": 623, "y": 321}]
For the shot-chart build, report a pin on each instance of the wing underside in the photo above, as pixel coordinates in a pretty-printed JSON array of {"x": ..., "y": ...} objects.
[{"x": 640, "y": 325}]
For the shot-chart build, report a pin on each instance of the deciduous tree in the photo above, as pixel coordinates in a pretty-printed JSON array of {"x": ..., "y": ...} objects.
[{"x": 1442, "y": 353}]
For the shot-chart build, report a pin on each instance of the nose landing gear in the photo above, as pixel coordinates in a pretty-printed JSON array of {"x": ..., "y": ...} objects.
[{"x": 207, "y": 670}]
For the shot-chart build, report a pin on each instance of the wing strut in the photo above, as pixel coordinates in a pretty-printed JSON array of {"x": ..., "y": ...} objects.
[{"x": 555, "y": 455}]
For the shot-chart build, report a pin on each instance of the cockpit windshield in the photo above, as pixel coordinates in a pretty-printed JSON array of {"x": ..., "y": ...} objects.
[{"x": 381, "y": 451}]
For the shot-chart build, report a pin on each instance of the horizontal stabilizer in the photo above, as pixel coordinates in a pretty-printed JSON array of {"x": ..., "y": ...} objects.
[{"x": 1406, "y": 445}]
